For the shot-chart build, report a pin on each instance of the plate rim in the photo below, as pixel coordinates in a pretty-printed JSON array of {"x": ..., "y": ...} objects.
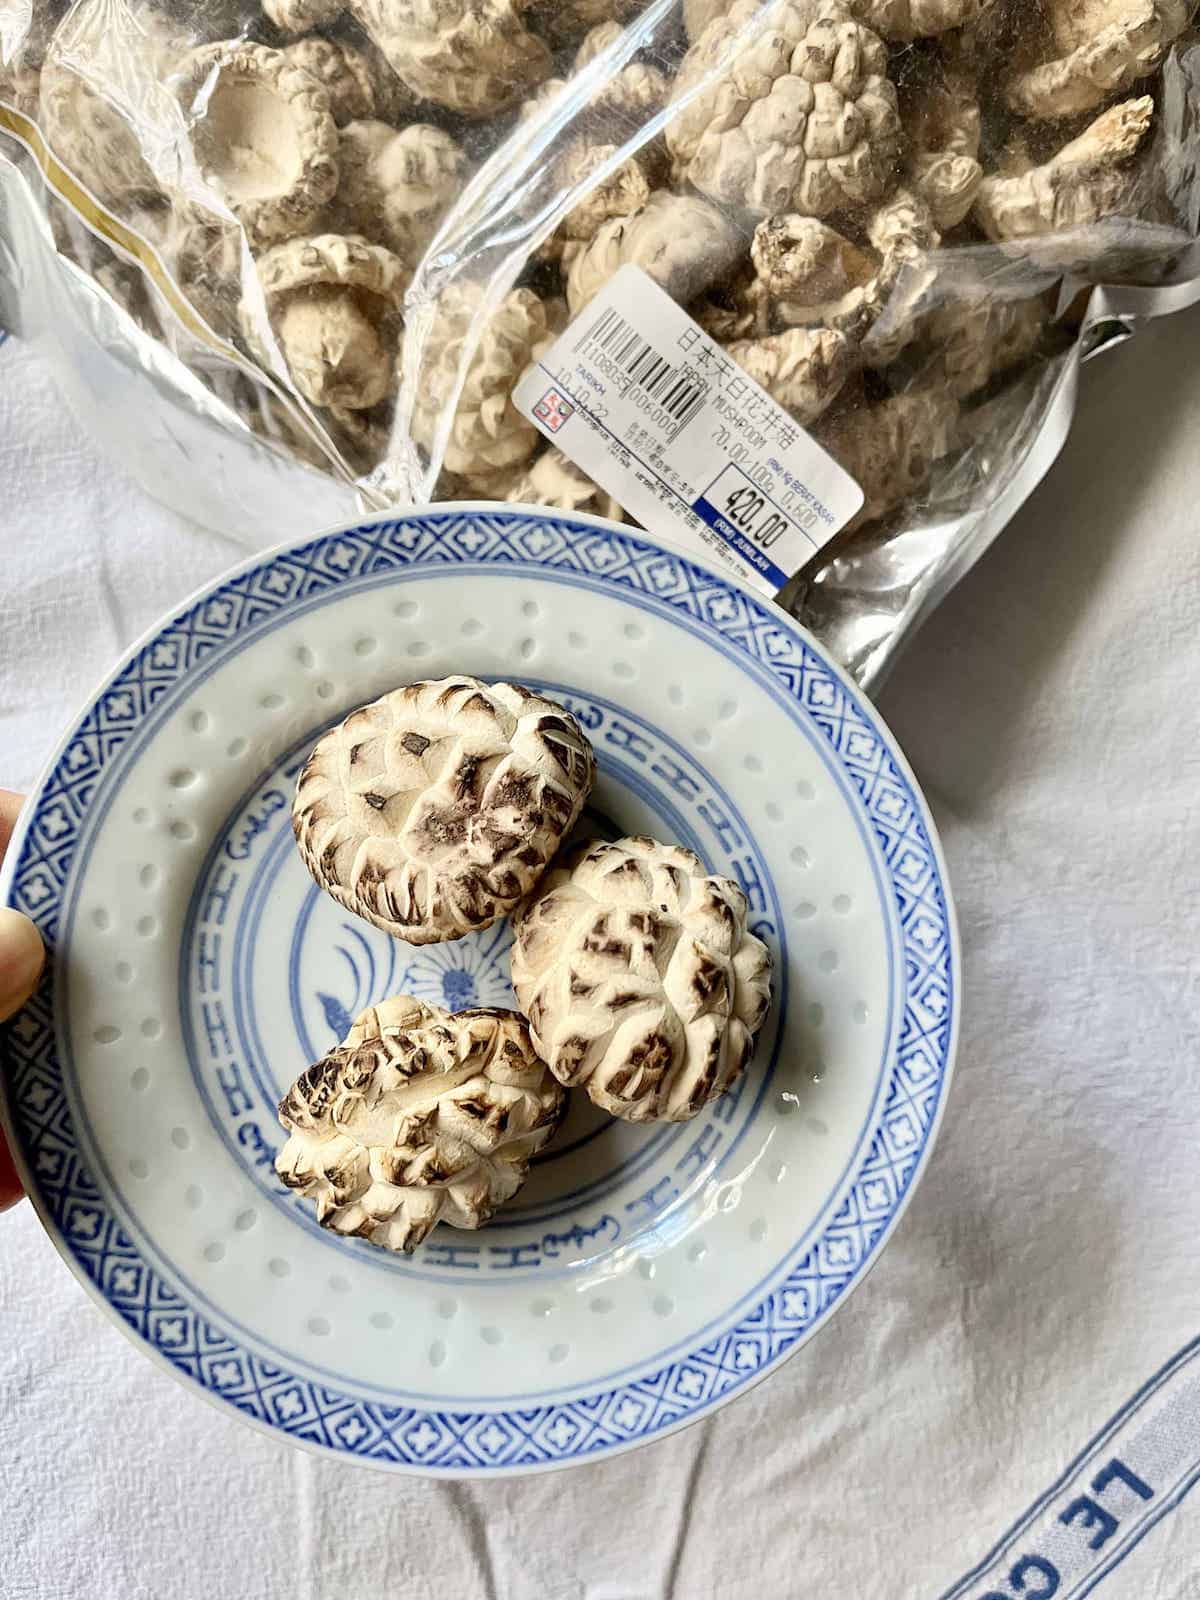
[{"x": 635, "y": 537}]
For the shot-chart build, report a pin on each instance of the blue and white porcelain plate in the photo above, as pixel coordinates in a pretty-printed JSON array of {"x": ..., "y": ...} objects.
[{"x": 644, "y": 1275}]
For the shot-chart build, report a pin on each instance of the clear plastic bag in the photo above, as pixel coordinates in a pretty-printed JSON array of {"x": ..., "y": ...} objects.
[{"x": 313, "y": 246}]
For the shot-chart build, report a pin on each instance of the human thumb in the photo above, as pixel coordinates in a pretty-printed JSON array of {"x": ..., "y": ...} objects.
[{"x": 22, "y": 955}]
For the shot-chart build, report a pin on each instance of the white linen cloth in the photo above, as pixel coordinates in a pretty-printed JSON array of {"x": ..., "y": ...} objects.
[{"x": 1047, "y": 1265}]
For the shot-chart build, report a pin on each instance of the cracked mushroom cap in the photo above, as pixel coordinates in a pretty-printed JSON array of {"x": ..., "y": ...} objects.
[
  {"x": 396, "y": 184},
  {"x": 553, "y": 480},
  {"x": 344, "y": 72},
  {"x": 420, "y": 1116},
  {"x": 802, "y": 117},
  {"x": 488, "y": 433},
  {"x": 300, "y": 16},
  {"x": 640, "y": 979},
  {"x": 263, "y": 134},
  {"x": 335, "y": 305},
  {"x": 434, "y": 810},
  {"x": 475, "y": 57},
  {"x": 622, "y": 192},
  {"x": 902, "y": 20},
  {"x": 93, "y": 138},
  {"x": 802, "y": 369},
  {"x": 1104, "y": 48},
  {"x": 682, "y": 241}
]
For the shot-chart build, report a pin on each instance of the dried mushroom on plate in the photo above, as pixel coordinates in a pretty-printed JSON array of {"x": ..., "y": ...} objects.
[
  {"x": 434, "y": 810},
  {"x": 640, "y": 979},
  {"x": 418, "y": 1116}
]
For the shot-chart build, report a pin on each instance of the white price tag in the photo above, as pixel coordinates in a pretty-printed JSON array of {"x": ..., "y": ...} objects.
[{"x": 653, "y": 410}]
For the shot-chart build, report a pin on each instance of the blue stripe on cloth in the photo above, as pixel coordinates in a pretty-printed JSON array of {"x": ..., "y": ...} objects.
[{"x": 1140, "y": 1465}]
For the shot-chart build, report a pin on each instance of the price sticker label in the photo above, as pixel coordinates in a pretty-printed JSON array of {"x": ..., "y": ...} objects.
[{"x": 664, "y": 420}]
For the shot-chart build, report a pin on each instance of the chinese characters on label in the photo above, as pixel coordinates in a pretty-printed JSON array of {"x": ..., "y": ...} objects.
[{"x": 651, "y": 408}]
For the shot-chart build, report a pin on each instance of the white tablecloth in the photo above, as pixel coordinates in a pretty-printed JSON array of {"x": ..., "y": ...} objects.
[{"x": 1044, "y": 1272}]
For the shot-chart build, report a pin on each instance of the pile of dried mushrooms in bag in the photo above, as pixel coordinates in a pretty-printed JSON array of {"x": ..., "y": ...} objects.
[{"x": 854, "y": 197}]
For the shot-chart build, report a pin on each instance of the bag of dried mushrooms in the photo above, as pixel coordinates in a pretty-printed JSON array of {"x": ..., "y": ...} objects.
[{"x": 291, "y": 258}]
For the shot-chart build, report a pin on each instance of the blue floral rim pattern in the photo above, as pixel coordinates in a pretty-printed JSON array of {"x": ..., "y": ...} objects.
[{"x": 84, "y": 1225}]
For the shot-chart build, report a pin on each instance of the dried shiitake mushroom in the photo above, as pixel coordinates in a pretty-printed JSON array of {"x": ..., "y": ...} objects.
[
  {"x": 93, "y": 138},
  {"x": 640, "y": 979},
  {"x": 487, "y": 433},
  {"x": 396, "y": 184},
  {"x": 914, "y": 19},
  {"x": 1097, "y": 49},
  {"x": 891, "y": 447},
  {"x": 435, "y": 809},
  {"x": 335, "y": 305},
  {"x": 346, "y": 74},
  {"x": 942, "y": 122},
  {"x": 474, "y": 57},
  {"x": 263, "y": 134},
  {"x": 684, "y": 242},
  {"x": 803, "y": 117},
  {"x": 808, "y": 275},
  {"x": 552, "y": 480},
  {"x": 420, "y": 1116},
  {"x": 1088, "y": 179},
  {"x": 802, "y": 369}
]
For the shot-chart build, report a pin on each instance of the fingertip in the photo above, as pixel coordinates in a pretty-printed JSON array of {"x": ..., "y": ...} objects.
[
  {"x": 10, "y": 810},
  {"x": 10, "y": 1184},
  {"x": 22, "y": 956}
]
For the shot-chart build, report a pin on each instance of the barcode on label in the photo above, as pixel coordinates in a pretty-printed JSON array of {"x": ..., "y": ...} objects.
[
  {"x": 637, "y": 396},
  {"x": 680, "y": 394}
]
